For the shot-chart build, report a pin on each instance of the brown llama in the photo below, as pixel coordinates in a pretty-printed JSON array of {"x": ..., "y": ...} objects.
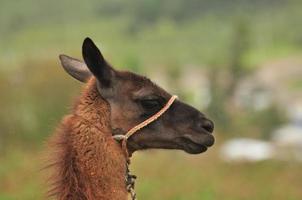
[{"x": 88, "y": 163}]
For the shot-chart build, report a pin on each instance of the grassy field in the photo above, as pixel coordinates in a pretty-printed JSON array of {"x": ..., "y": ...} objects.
[{"x": 167, "y": 175}]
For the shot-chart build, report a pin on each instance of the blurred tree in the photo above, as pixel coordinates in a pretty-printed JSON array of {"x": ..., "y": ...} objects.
[
  {"x": 239, "y": 121},
  {"x": 239, "y": 48},
  {"x": 216, "y": 108},
  {"x": 224, "y": 82}
]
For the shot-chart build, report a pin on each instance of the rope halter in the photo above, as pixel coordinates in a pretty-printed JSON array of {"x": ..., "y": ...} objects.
[
  {"x": 141, "y": 125},
  {"x": 130, "y": 179}
]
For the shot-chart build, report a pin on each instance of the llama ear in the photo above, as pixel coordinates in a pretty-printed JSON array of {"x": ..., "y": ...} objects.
[
  {"x": 76, "y": 68},
  {"x": 96, "y": 63}
]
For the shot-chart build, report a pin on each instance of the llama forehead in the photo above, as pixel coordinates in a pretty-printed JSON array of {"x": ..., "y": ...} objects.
[
  {"x": 150, "y": 91},
  {"x": 132, "y": 77},
  {"x": 140, "y": 86}
]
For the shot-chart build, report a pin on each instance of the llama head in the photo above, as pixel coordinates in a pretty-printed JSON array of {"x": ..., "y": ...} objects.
[{"x": 133, "y": 98}]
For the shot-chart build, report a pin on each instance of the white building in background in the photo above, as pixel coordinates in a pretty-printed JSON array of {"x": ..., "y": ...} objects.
[
  {"x": 276, "y": 82},
  {"x": 285, "y": 143},
  {"x": 246, "y": 150},
  {"x": 288, "y": 138}
]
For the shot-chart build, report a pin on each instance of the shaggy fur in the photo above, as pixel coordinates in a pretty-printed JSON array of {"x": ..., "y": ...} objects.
[{"x": 88, "y": 163}]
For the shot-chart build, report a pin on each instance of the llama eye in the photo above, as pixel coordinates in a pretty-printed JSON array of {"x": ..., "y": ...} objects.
[{"x": 150, "y": 104}]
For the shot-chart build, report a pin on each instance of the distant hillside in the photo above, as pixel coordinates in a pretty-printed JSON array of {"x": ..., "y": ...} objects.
[{"x": 195, "y": 31}]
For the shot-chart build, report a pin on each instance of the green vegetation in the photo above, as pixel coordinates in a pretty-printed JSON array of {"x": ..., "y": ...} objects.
[
  {"x": 168, "y": 175},
  {"x": 195, "y": 31},
  {"x": 229, "y": 37}
]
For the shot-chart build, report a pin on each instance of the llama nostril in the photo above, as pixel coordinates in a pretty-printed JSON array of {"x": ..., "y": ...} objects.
[{"x": 208, "y": 125}]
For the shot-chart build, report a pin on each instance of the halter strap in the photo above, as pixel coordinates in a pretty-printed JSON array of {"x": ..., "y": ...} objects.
[
  {"x": 130, "y": 179},
  {"x": 141, "y": 125}
]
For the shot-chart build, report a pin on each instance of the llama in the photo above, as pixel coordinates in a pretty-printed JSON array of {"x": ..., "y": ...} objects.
[{"x": 88, "y": 162}]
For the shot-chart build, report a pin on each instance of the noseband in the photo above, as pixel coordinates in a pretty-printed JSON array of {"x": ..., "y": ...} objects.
[
  {"x": 141, "y": 125},
  {"x": 130, "y": 179}
]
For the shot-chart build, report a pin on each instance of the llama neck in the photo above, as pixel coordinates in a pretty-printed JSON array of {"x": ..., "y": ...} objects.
[{"x": 92, "y": 164}]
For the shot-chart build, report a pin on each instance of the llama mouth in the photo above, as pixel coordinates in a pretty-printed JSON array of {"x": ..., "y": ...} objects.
[{"x": 193, "y": 147}]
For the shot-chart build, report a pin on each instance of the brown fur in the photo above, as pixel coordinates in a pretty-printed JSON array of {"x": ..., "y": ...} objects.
[{"x": 89, "y": 164}]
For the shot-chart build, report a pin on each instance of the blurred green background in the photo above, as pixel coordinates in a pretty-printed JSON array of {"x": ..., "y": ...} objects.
[{"x": 221, "y": 56}]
